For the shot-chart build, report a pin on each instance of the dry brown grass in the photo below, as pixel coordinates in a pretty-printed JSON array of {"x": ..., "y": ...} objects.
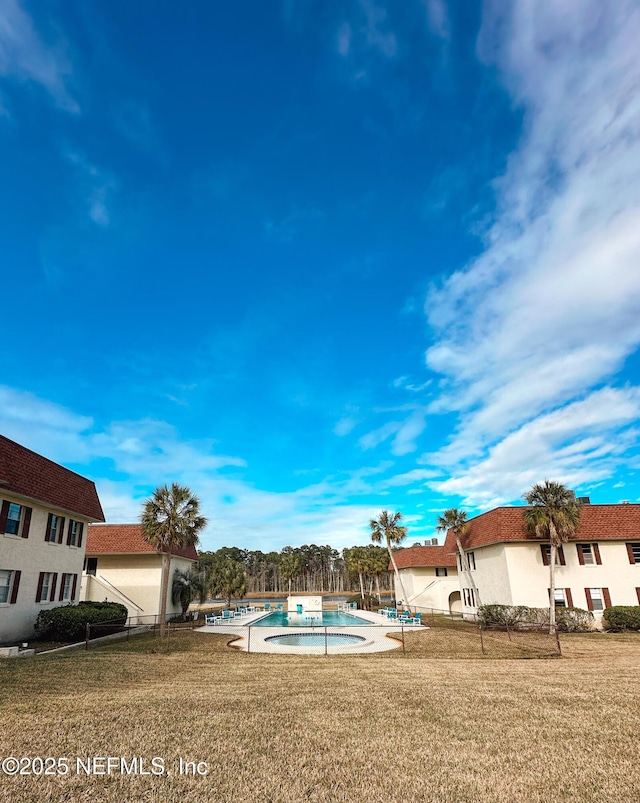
[{"x": 345, "y": 728}]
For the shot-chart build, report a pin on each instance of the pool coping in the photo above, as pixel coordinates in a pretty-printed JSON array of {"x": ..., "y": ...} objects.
[{"x": 254, "y": 639}]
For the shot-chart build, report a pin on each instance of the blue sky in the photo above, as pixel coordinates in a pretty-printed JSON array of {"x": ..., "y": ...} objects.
[{"x": 316, "y": 260}]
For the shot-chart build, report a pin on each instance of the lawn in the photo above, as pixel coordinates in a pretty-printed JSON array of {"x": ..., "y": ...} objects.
[{"x": 345, "y": 728}]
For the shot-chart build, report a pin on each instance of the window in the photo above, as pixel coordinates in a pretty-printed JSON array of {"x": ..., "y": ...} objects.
[
  {"x": 15, "y": 519},
  {"x": 441, "y": 571},
  {"x": 471, "y": 559},
  {"x": 633, "y": 550},
  {"x": 91, "y": 566},
  {"x": 546, "y": 555},
  {"x": 68, "y": 585},
  {"x": 597, "y": 598},
  {"x": 588, "y": 554},
  {"x": 5, "y": 584},
  {"x": 469, "y": 597},
  {"x": 55, "y": 526},
  {"x": 46, "y": 587},
  {"x": 470, "y": 562},
  {"x": 560, "y": 598},
  {"x": 74, "y": 533}
]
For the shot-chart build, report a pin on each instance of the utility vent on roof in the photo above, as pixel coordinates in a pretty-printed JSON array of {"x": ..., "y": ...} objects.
[
  {"x": 624, "y": 502},
  {"x": 584, "y": 500},
  {"x": 431, "y": 542}
]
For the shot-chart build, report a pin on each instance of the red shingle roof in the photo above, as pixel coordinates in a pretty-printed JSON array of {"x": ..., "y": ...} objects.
[
  {"x": 597, "y": 523},
  {"x": 119, "y": 539},
  {"x": 425, "y": 556},
  {"x": 29, "y": 474}
]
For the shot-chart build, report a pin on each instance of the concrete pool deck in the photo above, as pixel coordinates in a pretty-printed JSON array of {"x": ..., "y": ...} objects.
[{"x": 255, "y": 639}]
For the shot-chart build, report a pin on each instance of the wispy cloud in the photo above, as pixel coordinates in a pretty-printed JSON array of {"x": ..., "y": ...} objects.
[
  {"x": 438, "y": 18},
  {"x": 96, "y": 188},
  {"x": 287, "y": 228},
  {"x": 128, "y": 459},
  {"x": 25, "y": 57},
  {"x": 551, "y": 309}
]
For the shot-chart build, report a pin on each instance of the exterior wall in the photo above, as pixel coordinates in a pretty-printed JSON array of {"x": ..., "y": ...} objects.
[
  {"x": 424, "y": 589},
  {"x": 491, "y": 577},
  {"x": 133, "y": 580},
  {"x": 515, "y": 574},
  {"x": 33, "y": 555},
  {"x": 529, "y": 577}
]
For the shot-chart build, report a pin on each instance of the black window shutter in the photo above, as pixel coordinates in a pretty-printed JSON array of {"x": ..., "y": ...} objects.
[
  {"x": 4, "y": 515},
  {"x": 73, "y": 587},
  {"x": 62, "y": 579},
  {"x": 545, "y": 549},
  {"x": 27, "y": 522},
  {"x": 40, "y": 584},
  {"x": 48, "y": 530},
  {"x": 16, "y": 585},
  {"x": 54, "y": 581},
  {"x": 80, "y": 529}
]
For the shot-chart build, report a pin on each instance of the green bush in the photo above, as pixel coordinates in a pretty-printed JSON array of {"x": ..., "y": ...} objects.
[
  {"x": 68, "y": 622},
  {"x": 365, "y": 604},
  {"x": 568, "y": 620},
  {"x": 622, "y": 617}
]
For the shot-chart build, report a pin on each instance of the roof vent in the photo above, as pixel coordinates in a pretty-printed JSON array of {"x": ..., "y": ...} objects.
[
  {"x": 624, "y": 502},
  {"x": 431, "y": 542},
  {"x": 584, "y": 500}
]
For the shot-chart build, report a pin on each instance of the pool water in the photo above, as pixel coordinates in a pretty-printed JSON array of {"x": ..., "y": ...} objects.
[
  {"x": 309, "y": 619},
  {"x": 315, "y": 639}
]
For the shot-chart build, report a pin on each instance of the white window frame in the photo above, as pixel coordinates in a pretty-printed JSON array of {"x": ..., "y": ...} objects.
[
  {"x": 560, "y": 598},
  {"x": 8, "y": 573},
  {"x": 54, "y": 528},
  {"x": 597, "y": 599},
  {"x": 45, "y": 591},
  {"x": 75, "y": 528},
  {"x": 588, "y": 556},
  {"x": 66, "y": 587},
  {"x": 469, "y": 597},
  {"x": 471, "y": 561},
  {"x": 441, "y": 571}
]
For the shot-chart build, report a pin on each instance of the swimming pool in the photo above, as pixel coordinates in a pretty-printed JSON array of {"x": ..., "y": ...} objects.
[
  {"x": 315, "y": 640},
  {"x": 309, "y": 619}
]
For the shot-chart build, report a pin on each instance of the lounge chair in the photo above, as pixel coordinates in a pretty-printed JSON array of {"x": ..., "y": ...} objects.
[
  {"x": 279, "y": 607},
  {"x": 417, "y": 619},
  {"x": 267, "y": 606}
]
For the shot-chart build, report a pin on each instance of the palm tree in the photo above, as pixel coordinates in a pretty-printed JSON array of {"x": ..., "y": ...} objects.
[
  {"x": 456, "y": 520},
  {"x": 171, "y": 520},
  {"x": 228, "y": 580},
  {"x": 378, "y": 564},
  {"x": 387, "y": 528},
  {"x": 554, "y": 515},
  {"x": 187, "y": 586}
]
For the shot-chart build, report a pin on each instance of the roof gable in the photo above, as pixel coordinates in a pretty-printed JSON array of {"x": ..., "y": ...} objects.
[
  {"x": 125, "y": 539},
  {"x": 28, "y": 474}
]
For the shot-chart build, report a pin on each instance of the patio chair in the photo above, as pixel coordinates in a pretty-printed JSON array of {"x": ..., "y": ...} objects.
[
  {"x": 209, "y": 618},
  {"x": 417, "y": 619},
  {"x": 267, "y": 606},
  {"x": 279, "y": 607}
]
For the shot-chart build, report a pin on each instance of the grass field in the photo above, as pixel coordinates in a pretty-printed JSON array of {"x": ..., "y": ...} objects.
[{"x": 345, "y": 728}]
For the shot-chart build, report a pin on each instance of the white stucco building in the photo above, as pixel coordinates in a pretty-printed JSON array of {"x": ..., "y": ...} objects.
[
  {"x": 122, "y": 567},
  {"x": 597, "y": 568},
  {"x": 45, "y": 510},
  {"x": 429, "y": 576}
]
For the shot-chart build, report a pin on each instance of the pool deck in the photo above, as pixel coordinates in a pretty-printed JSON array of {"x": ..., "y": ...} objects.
[{"x": 377, "y": 636}]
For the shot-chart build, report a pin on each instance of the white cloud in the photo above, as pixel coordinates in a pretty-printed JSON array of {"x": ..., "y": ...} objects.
[
  {"x": 96, "y": 187},
  {"x": 551, "y": 309},
  {"x": 25, "y": 57},
  {"x": 438, "y": 18}
]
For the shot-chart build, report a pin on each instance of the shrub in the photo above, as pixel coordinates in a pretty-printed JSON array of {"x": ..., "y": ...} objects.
[
  {"x": 568, "y": 620},
  {"x": 68, "y": 622},
  {"x": 365, "y": 604},
  {"x": 622, "y": 617},
  {"x": 502, "y": 615}
]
